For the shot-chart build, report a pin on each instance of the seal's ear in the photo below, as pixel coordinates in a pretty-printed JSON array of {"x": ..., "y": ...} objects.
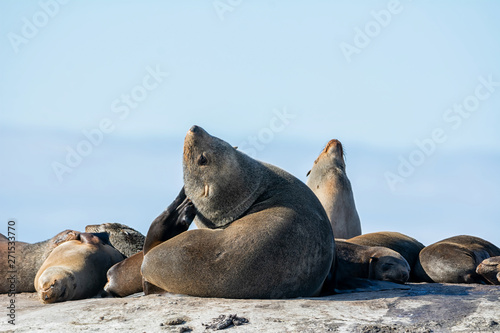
[
  {"x": 308, "y": 173},
  {"x": 371, "y": 267}
]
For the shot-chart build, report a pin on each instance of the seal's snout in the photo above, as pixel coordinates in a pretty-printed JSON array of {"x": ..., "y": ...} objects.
[{"x": 195, "y": 129}]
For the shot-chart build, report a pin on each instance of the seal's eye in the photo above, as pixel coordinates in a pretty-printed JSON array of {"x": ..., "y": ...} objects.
[{"x": 202, "y": 160}]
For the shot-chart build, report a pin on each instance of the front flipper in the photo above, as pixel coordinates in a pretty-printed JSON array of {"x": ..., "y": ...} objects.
[{"x": 356, "y": 285}]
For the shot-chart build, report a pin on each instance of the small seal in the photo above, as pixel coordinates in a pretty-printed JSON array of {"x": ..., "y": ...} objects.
[
  {"x": 356, "y": 262},
  {"x": 454, "y": 260},
  {"x": 124, "y": 278},
  {"x": 123, "y": 238},
  {"x": 263, "y": 233},
  {"x": 407, "y": 246},
  {"x": 29, "y": 258},
  {"x": 489, "y": 269},
  {"x": 76, "y": 269},
  {"x": 328, "y": 180}
]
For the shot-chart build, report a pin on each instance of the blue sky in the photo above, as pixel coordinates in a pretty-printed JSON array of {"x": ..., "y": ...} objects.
[{"x": 411, "y": 88}]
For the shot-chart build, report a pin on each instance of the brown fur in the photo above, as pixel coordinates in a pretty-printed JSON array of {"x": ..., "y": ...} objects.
[
  {"x": 489, "y": 269},
  {"x": 123, "y": 238},
  {"x": 454, "y": 260},
  {"x": 263, "y": 232},
  {"x": 329, "y": 181},
  {"x": 408, "y": 247},
  {"x": 125, "y": 278},
  {"x": 75, "y": 270},
  {"x": 370, "y": 262},
  {"x": 29, "y": 258}
]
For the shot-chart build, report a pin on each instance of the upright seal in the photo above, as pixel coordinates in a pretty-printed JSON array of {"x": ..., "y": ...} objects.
[
  {"x": 328, "y": 180},
  {"x": 263, "y": 233}
]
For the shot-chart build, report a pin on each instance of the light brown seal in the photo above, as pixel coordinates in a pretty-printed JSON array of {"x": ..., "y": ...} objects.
[
  {"x": 123, "y": 238},
  {"x": 28, "y": 259},
  {"x": 328, "y": 180},
  {"x": 454, "y": 260},
  {"x": 125, "y": 278},
  {"x": 263, "y": 233},
  {"x": 75, "y": 269},
  {"x": 489, "y": 269},
  {"x": 407, "y": 246}
]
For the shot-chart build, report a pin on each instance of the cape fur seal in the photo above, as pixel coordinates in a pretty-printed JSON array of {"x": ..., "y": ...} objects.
[
  {"x": 125, "y": 278},
  {"x": 263, "y": 234},
  {"x": 123, "y": 238},
  {"x": 370, "y": 262},
  {"x": 328, "y": 180},
  {"x": 356, "y": 263},
  {"x": 407, "y": 246},
  {"x": 454, "y": 260},
  {"x": 28, "y": 259},
  {"x": 489, "y": 269},
  {"x": 76, "y": 269}
]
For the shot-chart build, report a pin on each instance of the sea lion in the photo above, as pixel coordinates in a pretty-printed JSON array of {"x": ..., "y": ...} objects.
[
  {"x": 407, "y": 246},
  {"x": 28, "y": 259},
  {"x": 489, "y": 269},
  {"x": 328, "y": 180},
  {"x": 454, "y": 260},
  {"x": 75, "y": 269},
  {"x": 369, "y": 262},
  {"x": 263, "y": 233},
  {"x": 125, "y": 278},
  {"x": 123, "y": 238}
]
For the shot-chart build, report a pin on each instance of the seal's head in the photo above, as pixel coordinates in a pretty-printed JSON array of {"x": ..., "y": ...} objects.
[
  {"x": 331, "y": 156},
  {"x": 388, "y": 265},
  {"x": 490, "y": 270},
  {"x": 222, "y": 182},
  {"x": 56, "y": 284}
]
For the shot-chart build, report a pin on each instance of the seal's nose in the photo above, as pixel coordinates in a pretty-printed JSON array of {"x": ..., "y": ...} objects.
[{"x": 195, "y": 129}]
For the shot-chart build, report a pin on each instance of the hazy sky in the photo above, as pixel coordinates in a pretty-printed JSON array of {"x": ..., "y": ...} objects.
[{"x": 96, "y": 98}]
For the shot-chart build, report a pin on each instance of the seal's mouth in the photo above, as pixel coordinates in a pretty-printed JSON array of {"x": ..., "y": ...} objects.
[{"x": 48, "y": 295}]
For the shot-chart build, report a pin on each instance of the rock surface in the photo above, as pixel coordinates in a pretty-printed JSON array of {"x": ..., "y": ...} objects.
[{"x": 421, "y": 308}]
